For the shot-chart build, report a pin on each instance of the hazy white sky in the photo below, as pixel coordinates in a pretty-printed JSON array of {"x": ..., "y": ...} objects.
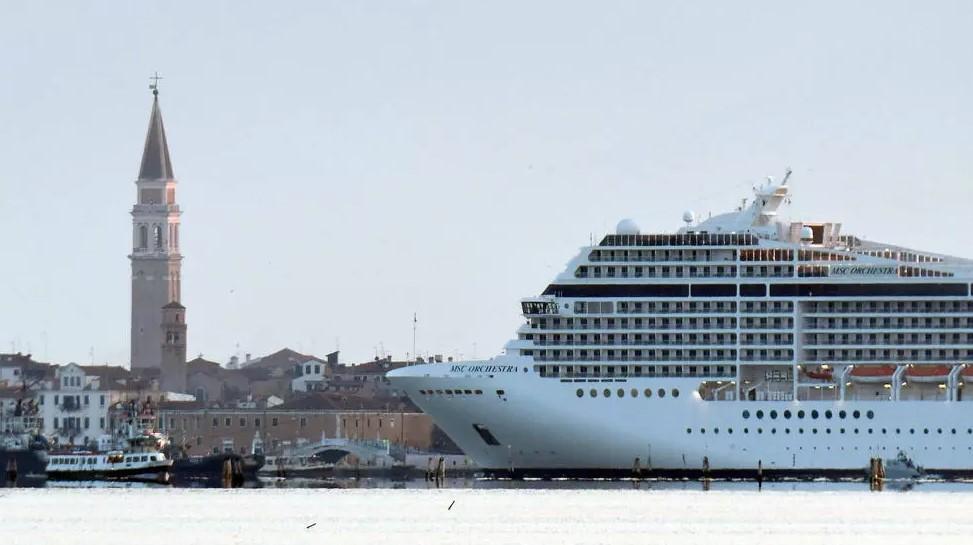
[{"x": 345, "y": 164}]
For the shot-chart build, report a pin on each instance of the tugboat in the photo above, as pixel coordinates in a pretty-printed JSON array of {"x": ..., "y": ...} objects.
[
  {"x": 217, "y": 468},
  {"x": 23, "y": 451}
]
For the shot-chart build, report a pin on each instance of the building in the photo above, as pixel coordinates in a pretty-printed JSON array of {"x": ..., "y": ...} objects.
[
  {"x": 156, "y": 259},
  {"x": 74, "y": 405},
  {"x": 209, "y": 430}
]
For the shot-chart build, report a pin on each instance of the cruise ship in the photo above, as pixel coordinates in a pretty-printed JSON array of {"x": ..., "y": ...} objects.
[{"x": 738, "y": 344}]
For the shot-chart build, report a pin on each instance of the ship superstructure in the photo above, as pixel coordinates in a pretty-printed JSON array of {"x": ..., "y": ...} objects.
[{"x": 740, "y": 341}]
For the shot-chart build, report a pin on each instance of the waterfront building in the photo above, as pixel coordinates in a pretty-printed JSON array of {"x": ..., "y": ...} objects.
[
  {"x": 74, "y": 404},
  {"x": 214, "y": 429}
]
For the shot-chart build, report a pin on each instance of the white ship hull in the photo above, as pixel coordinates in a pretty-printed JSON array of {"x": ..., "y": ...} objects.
[{"x": 544, "y": 428}]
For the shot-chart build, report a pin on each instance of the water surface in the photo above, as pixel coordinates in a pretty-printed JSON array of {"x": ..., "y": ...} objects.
[{"x": 489, "y": 512}]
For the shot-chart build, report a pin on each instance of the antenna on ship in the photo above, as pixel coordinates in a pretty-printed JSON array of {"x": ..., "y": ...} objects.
[{"x": 787, "y": 175}]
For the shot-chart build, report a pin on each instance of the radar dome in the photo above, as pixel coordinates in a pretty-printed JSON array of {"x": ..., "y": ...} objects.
[
  {"x": 807, "y": 233},
  {"x": 627, "y": 227},
  {"x": 688, "y": 216}
]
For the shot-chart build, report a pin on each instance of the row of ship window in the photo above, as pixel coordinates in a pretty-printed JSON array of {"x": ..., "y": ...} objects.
[
  {"x": 450, "y": 392},
  {"x": 728, "y": 271},
  {"x": 672, "y": 307},
  {"x": 635, "y": 370},
  {"x": 662, "y": 255},
  {"x": 814, "y": 414},
  {"x": 898, "y": 355},
  {"x": 650, "y": 339},
  {"x": 634, "y": 392},
  {"x": 665, "y": 323},
  {"x": 890, "y": 306},
  {"x": 899, "y": 322},
  {"x": 770, "y": 254},
  {"x": 660, "y": 355},
  {"x": 889, "y": 338},
  {"x": 718, "y": 271},
  {"x": 884, "y": 431},
  {"x": 91, "y": 460}
]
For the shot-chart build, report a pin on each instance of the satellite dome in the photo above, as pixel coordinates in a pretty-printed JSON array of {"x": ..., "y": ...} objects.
[
  {"x": 688, "y": 216},
  {"x": 627, "y": 227},
  {"x": 807, "y": 233}
]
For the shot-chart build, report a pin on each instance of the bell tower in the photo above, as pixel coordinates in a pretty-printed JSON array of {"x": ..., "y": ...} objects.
[{"x": 155, "y": 257}]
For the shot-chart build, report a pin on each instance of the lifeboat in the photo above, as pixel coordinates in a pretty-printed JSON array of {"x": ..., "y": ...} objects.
[
  {"x": 927, "y": 373},
  {"x": 872, "y": 373},
  {"x": 820, "y": 374}
]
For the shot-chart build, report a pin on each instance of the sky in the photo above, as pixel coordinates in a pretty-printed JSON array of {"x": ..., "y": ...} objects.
[{"x": 344, "y": 166}]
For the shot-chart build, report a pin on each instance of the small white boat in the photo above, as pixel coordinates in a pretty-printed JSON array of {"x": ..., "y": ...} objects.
[
  {"x": 296, "y": 466},
  {"x": 142, "y": 460}
]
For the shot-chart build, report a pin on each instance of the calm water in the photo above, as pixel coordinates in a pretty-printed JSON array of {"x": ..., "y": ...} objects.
[{"x": 493, "y": 512}]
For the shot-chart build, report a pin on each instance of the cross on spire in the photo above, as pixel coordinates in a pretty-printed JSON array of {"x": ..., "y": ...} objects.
[{"x": 155, "y": 83}]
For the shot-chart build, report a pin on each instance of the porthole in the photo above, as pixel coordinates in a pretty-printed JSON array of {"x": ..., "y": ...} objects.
[
  {"x": 689, "y": 430},
  {"x": 800, "y": 413},
  {"x": 828, "y": 414},
  {"x": 620, "y": 392},
  {"x": 787, "y": 414},
  {"x": 606, "y": 392},
  {"x": 580, "y": 392},
  {"x": 746, "y": 430},
  {"x": 760, "y": 414},
  {"x": 842, "y": 414},
  {"x": 422, "y": 392},
  {"x": 856, "y": 414},
  {"x": 634, "y": 392},
  {"x": 925, "y": 431},
  {"x": 842, "y": 430},
  {"x": 746, "y": 414},
  {"x": 827, "y": 430},
  {"x": 870, "y": 414},
  {"x": 716, "y": 430},
  {"x": 898, "y": 431},
  {"x": 814, "y": 430},
  {"x": 800, "y": 430},
  {"x": 814, "y": 413},
  {"x": 773, "y": 415},
  {"x": 675, "y": 392},
  {"x": 912, "y": 430},
  {"x": 939, "y": 430},
  {"x": 593, "y": 392},
  {"x": 647, "y": 392},
  {"x": 729, "y": 430},
  {"x": 662, "y": 392},
  {"x": 702, "y": 430},
  {"x": 760, "y": 430},
  {"x": 773, "y": 430},
  {"x": 954, "y": 431}
]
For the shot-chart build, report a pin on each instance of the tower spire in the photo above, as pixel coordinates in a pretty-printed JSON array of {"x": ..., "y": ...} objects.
[{"x": 156, "y": 164}]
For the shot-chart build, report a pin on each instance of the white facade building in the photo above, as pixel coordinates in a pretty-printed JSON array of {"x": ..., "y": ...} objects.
[{"x": 311, "y": 376}]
